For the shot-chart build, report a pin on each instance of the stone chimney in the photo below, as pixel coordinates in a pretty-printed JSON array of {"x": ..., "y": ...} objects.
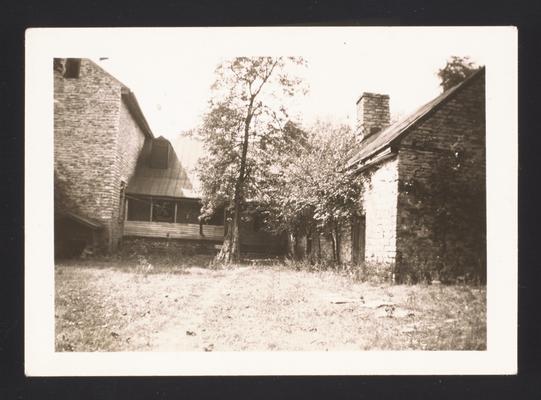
[{"x": 372, "y": 114}]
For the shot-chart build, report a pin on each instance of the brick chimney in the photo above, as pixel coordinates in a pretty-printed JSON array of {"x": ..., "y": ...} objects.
[{"x": 372, "y": 114}]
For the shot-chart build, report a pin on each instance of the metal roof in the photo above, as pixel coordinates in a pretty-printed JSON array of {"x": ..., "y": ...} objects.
[
  {"x": 172, "y": 181},
  {"x": 373, "y": 144}
]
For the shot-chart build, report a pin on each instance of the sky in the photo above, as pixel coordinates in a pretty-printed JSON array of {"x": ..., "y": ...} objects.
[{"x": 171, "y": 72}]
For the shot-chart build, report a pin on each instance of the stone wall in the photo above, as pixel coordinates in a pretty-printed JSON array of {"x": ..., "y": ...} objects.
[
  {"x": 129, "y": 144},
  {"x": 441, "y": 204},
  {"x": 380, "y": 209},
  {"x": 91, "y": 152}
]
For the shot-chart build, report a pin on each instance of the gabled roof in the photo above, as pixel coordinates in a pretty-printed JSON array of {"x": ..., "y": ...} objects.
[
  {"x": 171, "y": 182},
  {"x": 392, "y": 133}
]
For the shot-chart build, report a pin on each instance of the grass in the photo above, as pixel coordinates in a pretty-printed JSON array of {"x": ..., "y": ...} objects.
[{"x": 129, "y": 306}]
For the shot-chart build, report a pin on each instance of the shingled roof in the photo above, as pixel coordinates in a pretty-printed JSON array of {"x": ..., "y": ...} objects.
[
  {"x": 172, "y": 181},
  {"x": 386, "y": 137}
]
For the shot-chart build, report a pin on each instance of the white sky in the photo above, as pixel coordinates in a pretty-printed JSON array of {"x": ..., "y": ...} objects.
[{"x": 170, "y": 71}]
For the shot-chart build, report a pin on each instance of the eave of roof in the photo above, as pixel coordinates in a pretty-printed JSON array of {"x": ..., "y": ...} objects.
[
  {"x": 394, "y": 132},
  {"x": 135, "y": 110},
  {"x": 88, "y": 222}
]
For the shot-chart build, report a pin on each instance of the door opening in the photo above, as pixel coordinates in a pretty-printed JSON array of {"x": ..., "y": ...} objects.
[{"x": 358, "y": 232}]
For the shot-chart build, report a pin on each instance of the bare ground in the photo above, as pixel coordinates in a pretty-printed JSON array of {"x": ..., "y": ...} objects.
[{"x": 112, "y": 307}]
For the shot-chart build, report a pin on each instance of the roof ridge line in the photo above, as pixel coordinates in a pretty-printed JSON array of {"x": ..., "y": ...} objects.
[{"x": 436, "y": 103}]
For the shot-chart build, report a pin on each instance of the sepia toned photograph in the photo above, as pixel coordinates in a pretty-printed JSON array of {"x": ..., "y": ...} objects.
[{"x": 216, "y": 198}]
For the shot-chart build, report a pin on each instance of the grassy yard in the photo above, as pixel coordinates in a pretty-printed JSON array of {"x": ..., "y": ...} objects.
[{"x": 112, "y": 306}]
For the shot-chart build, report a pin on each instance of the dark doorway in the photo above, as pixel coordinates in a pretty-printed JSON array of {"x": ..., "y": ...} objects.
[{"x": 358, "y": 230}]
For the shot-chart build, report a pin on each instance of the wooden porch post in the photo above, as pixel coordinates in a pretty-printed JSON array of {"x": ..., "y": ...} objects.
[{"x": 151, "y": 209}]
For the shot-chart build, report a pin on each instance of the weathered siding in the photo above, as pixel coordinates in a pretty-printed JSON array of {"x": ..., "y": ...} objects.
[
  {"x": 173, "y": 230},
  {"x": 259, "y": 242},
  {"x": 441, "y": 170}
]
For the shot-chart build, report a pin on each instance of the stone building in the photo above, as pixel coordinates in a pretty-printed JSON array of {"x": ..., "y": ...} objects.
[
  {"x": 99, "y": 131},
  {"x": 114, "y": 179},
  {"x": 423, "y": 208}
]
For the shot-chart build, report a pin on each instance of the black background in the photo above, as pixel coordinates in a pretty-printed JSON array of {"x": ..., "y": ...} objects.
[{"x": 16, "y": 16}]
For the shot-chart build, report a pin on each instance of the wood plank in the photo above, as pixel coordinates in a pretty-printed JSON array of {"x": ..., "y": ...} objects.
[
  {"x": 191, "y": 231},
  {"x": 172, "y": 230}
]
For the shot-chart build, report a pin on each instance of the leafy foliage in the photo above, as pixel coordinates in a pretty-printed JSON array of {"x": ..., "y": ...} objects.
[
  {"x": 310, "y": 192},
  {"x": 242, "y": 132},
  {"x": 455, "y": 71}
]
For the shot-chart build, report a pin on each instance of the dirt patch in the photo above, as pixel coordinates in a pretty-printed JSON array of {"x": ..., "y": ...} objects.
[{"x": 255, "y": 308}]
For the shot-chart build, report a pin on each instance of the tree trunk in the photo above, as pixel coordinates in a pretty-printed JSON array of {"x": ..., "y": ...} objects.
[
  {"x": 337, "y": 240},
  {"x": 333, "y": 243},
  {"x": 290, "y": 245},
  {"x": 230, "y": 251}
]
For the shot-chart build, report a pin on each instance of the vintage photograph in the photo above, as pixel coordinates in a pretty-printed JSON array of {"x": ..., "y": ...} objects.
[
  {"x": 269, "y": 191},
  {"x": 285, "y": 233}
]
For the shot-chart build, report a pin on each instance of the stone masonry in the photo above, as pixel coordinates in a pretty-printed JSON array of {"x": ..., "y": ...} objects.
[
  {"x": 425, "y": 203},
  {"x": 372, "y": 113},
  {"x": 380, "y": 208},
  {"x": 96, "y": 145},
  {"x": 441, "y": 170}
]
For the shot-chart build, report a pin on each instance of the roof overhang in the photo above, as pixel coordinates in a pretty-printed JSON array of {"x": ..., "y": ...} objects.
[
  {"x": 364, "y": 164},
  {"x": 87, "y": 222},
  {"x": 135, "y": 110},
  {"x": 390, "y": 136}
]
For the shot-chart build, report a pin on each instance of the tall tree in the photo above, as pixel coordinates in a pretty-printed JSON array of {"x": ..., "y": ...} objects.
[
  {"x": 455, "y": 71},
  {"x": 246, "y": 117},
  {"x": 311, "y": 193}
]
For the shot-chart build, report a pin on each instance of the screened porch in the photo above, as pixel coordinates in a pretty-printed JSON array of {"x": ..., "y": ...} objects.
[{"x": 148, "y": 216}]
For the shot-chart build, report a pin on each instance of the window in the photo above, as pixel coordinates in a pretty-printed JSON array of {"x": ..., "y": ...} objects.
[
  {"x": 138, "y": 209},
  {"x": 121, "y": 201},
  {"x": 188, "y": 212},
  {"x": 163, "y": 211},
  {"x": 73, "y": 68},
  {"x": 159, "y": 155}
]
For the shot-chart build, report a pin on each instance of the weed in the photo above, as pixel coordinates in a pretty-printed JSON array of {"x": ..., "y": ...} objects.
[{"x": 127, "y": 306}]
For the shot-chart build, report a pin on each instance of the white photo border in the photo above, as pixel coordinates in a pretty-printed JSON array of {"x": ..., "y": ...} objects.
[{"x": 43, "y": 44}]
